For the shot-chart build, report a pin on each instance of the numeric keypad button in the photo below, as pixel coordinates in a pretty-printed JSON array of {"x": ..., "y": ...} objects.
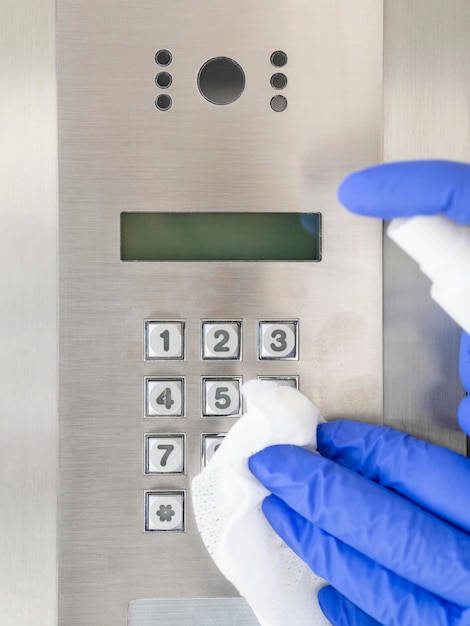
[
  {"x": 221, "y": 397},
  {"x": 286, "y": 381},
  {"x": 221, "y": 340},
  {"x": 164, "y": 340},
  {"x": 210, "y": 443},
  {"x": 164, "y": 511},
  {"x": 278, "y": 340},
  {"x": 164, "y": 454},
  {"x": 164, "y": 397}
]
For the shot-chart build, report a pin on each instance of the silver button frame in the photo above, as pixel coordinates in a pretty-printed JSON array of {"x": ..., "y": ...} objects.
[
  {"x": 163, "y": 492},
  {"x": 147, "y": 324},
  {"x": 238, "y": 324},
  {"x": 282, "y": 379},
  {"x": 205, "y": 379},
  {"x": 148, "y": 379},
  {"x": 273, "y": 322},
  {"x": 204, "y": 438},
  {"x": 147, "y": 437}
]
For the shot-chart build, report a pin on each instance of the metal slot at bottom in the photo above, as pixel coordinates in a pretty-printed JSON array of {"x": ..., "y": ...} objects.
[{"x": 191, "y": 612}]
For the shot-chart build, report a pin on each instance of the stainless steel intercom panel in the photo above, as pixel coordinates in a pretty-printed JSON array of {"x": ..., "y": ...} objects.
[{"x": 201, "y": 245}]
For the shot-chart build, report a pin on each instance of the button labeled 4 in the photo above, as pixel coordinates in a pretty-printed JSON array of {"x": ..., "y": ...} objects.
[{"x": 164, "y": 397}]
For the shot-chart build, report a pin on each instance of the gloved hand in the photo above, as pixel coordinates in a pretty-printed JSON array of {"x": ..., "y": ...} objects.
[
  {"x": 383, "y": 517},
  {"x": 380, "y": 515},
  {"x": 412, "y": 188}
]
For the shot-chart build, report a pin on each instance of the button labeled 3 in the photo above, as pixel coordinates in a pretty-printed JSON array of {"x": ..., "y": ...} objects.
[{"x": 278, "y": 340}]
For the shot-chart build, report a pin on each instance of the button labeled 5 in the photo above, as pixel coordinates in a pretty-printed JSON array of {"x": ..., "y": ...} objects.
[{"x": 221, "y": 397}]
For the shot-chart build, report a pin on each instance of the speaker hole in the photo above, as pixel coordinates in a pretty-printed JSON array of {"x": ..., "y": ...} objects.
[
  {"x": 163, "y": 102},
  {"x": 279, "y": 58},
  {"x": 163, "y": 57}
]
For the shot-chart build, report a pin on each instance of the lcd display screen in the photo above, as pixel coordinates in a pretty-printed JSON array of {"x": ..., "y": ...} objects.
[{"x": 220, "y": 236}]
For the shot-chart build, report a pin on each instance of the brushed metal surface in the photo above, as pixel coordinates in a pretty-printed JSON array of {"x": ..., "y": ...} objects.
[
  {"x": 28, "y": 303},
  {"x": 117, "y": 153},
  {"x": 426, "y": 115}
]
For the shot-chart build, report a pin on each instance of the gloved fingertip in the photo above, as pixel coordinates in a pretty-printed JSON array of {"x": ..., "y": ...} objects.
[
  {"x": 335, "y": 435},
  {"x": 278, "y": 515},
  {"x": 254, "y": 462},
  {"x": 260, "y": 463},
  {"x": 272, "y": 505},
  {"x": 326, "y": 436},
  {"x": 463, "y": 415},
  {"x": 351, "y": 190},
  {"x": 269, "y": 463},
  {"x": 330, "y": 603},
  {"x": 340, "y": 611}
]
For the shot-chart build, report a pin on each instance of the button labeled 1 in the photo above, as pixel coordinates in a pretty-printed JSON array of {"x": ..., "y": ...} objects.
[
  {"x": 221, "y": 397},
  {"x": 164, "y": 340},
  {"x": 164, "y": 397},
  {"x": 278, "y": 340},
  {"x": 164, "y": 454},
  {"x": 164, "y": 511}
]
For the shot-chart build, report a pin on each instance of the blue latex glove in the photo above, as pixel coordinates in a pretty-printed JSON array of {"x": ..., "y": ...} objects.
[
  {"x": 380, "y": 515},
  {"x": 383, "y": 517},
  {"x": 416, "y": 188}
]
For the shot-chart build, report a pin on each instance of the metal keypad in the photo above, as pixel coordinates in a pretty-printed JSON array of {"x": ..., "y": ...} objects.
[{"x": 220, "y": 398}]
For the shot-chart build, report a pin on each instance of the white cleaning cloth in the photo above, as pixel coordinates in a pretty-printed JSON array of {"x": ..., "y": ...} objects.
[{"x": 278, "y": 585}]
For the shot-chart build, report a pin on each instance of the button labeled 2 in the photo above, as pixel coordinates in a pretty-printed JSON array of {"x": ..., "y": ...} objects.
[{"x": 221, "y": 340}]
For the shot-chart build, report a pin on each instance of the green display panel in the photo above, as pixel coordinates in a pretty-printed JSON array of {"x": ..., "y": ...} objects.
[{"x": 220, "y": 236}]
